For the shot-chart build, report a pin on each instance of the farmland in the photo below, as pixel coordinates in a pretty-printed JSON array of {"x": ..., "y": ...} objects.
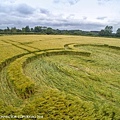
[{"x": 60, "y": 77}]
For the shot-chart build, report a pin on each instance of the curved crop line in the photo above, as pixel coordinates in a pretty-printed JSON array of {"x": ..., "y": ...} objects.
[
  {"x": 67, "y": 45},
  {"x": 98, "y": 45},
  {"x": 73, "y": 46},
  {"x": 23, "y": 85},
  {"x": 9, "y": 60}
]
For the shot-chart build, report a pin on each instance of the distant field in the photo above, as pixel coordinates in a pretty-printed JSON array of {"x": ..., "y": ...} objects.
[{"x": 60, "y": 77}]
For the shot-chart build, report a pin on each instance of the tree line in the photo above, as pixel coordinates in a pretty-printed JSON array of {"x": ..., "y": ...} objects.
[{"x": 106, "y": 32}]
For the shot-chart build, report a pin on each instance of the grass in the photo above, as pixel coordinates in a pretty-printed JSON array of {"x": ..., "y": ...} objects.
[{"x": 73, "y": 77}]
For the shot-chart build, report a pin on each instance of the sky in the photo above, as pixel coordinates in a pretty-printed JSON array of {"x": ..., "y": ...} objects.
[{"x": 88, "y": 15}]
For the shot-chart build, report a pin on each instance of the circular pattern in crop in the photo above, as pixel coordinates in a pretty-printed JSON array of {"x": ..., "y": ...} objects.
[
  {"x": 94, "y": 78},
  {"x": 63, "y": 81}
]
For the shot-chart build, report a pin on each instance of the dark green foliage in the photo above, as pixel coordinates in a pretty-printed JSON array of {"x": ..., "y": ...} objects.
[
  {"x": 107, "y": 32},
  {"x": 118, "y": 32}
]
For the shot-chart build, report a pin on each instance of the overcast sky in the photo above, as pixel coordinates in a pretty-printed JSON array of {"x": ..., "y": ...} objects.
[{"x": 60, "y": 14}]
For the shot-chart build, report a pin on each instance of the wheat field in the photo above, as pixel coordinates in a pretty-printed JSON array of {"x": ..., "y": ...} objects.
[{"x": 59, "y": 77}]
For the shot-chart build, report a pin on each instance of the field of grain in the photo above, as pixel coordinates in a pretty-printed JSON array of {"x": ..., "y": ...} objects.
[{"x": 60, "y": 77}]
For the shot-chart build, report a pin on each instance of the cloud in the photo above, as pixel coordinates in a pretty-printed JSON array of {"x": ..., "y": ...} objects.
[
  {"x": 101, "y": 2},
  {"x": 44, "y": 11},
  {"x": 49, "y": 20},
  {"x": 19, "y": 15},
  {"x": 56, "y": 1},
  {"x": 71, "y": 16},
  {"x": 25, "y": 9},
  {"x": 71, "y": 2},
  {"x": 77, "y": 25},
  {"x": 7, "y": 1},
  {"x": 10, "y": 8},
  {"x": 6, "y": 8},
  {"x": 104, "y": 0},
  {"x": 84, "y": 18},
  {"x": 101, "y": 18}
]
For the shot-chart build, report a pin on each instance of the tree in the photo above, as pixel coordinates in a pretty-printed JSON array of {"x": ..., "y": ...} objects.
[
  {"x": 7, "y": 30},
  {"x": 118, "y": 32},
  {"x": 32, "y": 30},
  {"x": 102, "y": 33},
  {"x": 23, "y": 29},
  {"x": 107, "y": 31},
  {"x": 38, "y": 29},
  {"x": 27, "y": 29},
  {"x": 13, "y": 30},
  {"x": 49, "y": 31}
]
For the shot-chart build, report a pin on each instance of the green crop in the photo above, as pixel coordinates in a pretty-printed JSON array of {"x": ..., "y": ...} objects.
[{"x": 59, "y": 77}]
